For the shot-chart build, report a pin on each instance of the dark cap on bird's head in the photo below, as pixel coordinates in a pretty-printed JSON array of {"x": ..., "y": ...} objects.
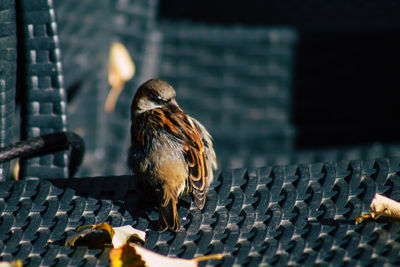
[{"x": 152, "y": 94}]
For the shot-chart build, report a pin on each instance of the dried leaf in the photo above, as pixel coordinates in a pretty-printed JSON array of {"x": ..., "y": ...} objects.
[
  {"x": 118, "y": 235},
  {"x": 121, "y": 64},
  {"x": 360, "y": 219},
  {"x": 381, "y": 206},
  {"x": 121, "y": 69},
  {"x": 126, "y": 233},
  {"x": 125, "y": 256},
  {"x": 16, "y": 263},
  {"x": 135, "y": 255}
]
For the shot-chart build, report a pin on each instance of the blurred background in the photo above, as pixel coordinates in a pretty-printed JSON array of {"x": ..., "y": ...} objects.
[{"x": 274, "y": 82}]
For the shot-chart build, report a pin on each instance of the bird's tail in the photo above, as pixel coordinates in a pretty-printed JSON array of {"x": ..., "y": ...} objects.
[{"x": 168, "y": 213}]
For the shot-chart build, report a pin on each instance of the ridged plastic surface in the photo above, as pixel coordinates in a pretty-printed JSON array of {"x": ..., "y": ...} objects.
[
  {"x": 44, "y": 102},
  {"x": 291, "y": 215}
]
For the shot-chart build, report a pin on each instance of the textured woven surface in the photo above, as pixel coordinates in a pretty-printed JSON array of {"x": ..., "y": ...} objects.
[
  {"x": 85, "y": 35},
  {"x": 250, "y": 159},
  {"x": 301, "y": 214},
  {"x": 245, "y": 70},
  {"x": 44, "y": 109},
  {"x": 83, "y": 38},
  {"x": 8, "y": 66}
]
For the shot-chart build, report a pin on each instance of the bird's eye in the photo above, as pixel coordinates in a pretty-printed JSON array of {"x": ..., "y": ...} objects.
[{"x": 158, "y": 100}]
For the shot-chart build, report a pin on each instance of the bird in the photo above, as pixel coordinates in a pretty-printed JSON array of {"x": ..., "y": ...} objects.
[{"x": 170, "y": 153}]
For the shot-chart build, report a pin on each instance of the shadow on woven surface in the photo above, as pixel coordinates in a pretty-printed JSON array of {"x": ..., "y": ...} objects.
[{"x": 285, "y": 215}]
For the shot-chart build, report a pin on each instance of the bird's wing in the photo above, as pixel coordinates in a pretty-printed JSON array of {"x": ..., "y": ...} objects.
[
  {"x": 195, "y": 156},
  {"x": 185, "y": 130},
  {"x": 211, "y": 158}
]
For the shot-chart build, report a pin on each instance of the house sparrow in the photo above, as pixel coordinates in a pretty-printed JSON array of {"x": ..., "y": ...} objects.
[{"x": 170, "y": 151}]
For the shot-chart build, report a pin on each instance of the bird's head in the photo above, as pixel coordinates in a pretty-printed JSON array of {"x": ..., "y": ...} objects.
[{"x": 153, "y": 94}]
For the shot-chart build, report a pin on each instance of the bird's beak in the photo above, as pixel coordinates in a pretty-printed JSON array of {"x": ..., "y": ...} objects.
[{"x": 174, "y": 104}]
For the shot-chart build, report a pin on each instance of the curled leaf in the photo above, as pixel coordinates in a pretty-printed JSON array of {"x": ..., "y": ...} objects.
[
  {"x": 135, "y": 255},
  {"x": 381, "y": 206},
  {"x": 118, "y": 235}
]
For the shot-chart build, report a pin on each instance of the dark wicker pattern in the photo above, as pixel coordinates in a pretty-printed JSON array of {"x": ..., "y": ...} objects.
[
  {"x": 294, "y": 215},
  {"x": 245, "y": 70},
  {"x": 83, "y": 40},
  {"x": 45, "y": 100},
  {"x": 85, "y": 47},
  {"x": 365, "y": 152},
  {"x": 8, "y": 66}
]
